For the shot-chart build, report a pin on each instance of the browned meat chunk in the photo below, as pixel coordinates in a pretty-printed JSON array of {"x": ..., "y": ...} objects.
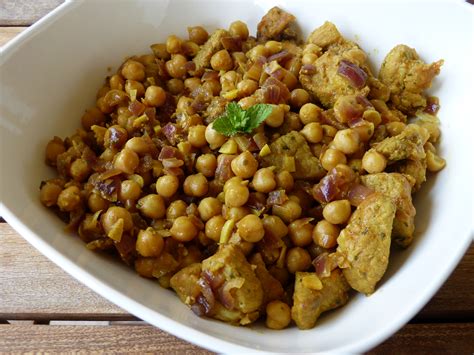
[
  {"x": 293, "y": 149},
  {"x": 185, "y": 283},
  {"x": 325, "y": 35},
  {"x": 241, "y": 290},
  {"x": 364, "y": 244},
  {"x": 213, "y": 45},
  {"x": 397, "y": 187},
  {"x": 406, "y": 145},
  {"x": 277, "y": 25},
  {"x": 272, "y": 287},
  {"x": 416, "y": 169},
  {"x": 407, "y": 76},
  {"x": 314, "y": 296}
]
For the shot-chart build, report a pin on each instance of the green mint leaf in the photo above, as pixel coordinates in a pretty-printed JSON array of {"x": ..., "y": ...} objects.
[
  {"x": 224, "y": 125},
  {"x": 257, "y": 113},
  {"x": 236, "y": 119}
]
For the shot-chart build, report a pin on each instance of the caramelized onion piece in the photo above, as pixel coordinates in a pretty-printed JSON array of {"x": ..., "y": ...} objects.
[{"x": 356, "y": 76}]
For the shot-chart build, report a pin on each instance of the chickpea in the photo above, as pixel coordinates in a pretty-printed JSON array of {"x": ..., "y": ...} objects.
[
  {"x": 112, "y": 215},
  {"x": 214, "y": 138},
  {"x": 145, "y": 266},
  {"x": 276, "y": 117},
  {"x": 373, "y": 162},
  {"x": 126, "y": 161},
  {"x": 313, "y": 132},
  {"x": 347, "y": 141},
  {"x": 288, "y": 211},
  {"x": 274, "y": 226},
  {"x": 284, "y": 180},
  {"x": 159, "y": 50},
  {"x": 152, "y": 206},
  {"x": 236, "y": 195},
  {"x": 139, "y": 145},
  {"x": 133, "y": 70},
  {"x": 176, "y": 66},
  {"x": 176, "y": 209},
  {"x": 196, "y": 185},
  {"x": 91, "y": 117},
  {"x": 233, "y": 180},
  {"x": 297, "y": 259},
  {"x": 115, "y": 137},
  {"x": 183, "y": 229},
  {"x": 309, "y": 58},
  {"x": 247, "y": 102},
  {"x": 97, "y": 202},
  {"x": 49, "y": 194},
  {"x": 149, "y": 243},
  {"x": 213, "y": 227},
  {"x": 190, "y": 49},
  {"x": 239, "y": 29},
  {"x": 198, "y": 34},
  {"x": 310, "y": 113},
  {"x": 116, "y": 82},
  {"x": 134, "y": 85},
  {"x": 235, "y": 213},
  {"x": 206, "y": 164},
  {"x": 155, "y": 96},
  {"x": 325, "y": 234},
  {"x": 331, "y": 158},
  {"x": 299, "y": 97},
  {"x": 209, "y": 207},
  {"x": 54, "y": 148},
  {"x": 222, "y": 61},
  {"x": 301, "y": 232},
  {"x": 278, "y": 315},
  {"x": 244, "y": 165},
  {"x": 69, "y": 199},
  {"x": 197, "y": 136},
  {"x": 175, "y": 86},
  {"x": 129, "y": 190},
  {"x": 250, "y": 228},
  {"x": 167, "y": 185},
  {"x": 337, "y": 212},
  {"x": 192, "y": 84},
  {"x": 264, "y": 180},
  {"x": 184, "y": 105},
  {"x": 79, "y": 170},
  {"x": 256, "y": 52},
  {"x": 173, "y": 44},
  {"x": 247, "y": 87},
  {"x": 213, "y": 86}
]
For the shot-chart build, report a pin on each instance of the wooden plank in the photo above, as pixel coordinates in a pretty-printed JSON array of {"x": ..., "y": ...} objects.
[
  {"x": 124, "y": 339},
  {"x": 25, "y": 12},
  {"x": 35, "y": 288},
  {"x": 446, "y": 338},
  {"x": 451, "y": 338},
  {"x": 7, "y": 33}
]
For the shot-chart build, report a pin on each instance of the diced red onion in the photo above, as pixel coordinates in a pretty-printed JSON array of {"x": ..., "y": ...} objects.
[
  {"x": 136, "y": 108},
  {"x": 168, "y": 152},
  {"x": 173, "y": 171},
  {"x": 232, "y": 44},
  {"x": 308, "y": 69},
  {"x": 277, "y": 197},
  {"x": 224, "y": 170},
  {"x": 170, "y": 131},
  {"x": 356, "y": 76},
  {"x": 363, "y": 101},
  {"x": 358, "y": 193},
  {"x": 207, "y": 294},
  {"x": 280, "y": 56},
  {"x": 214, "y": 280},
  {"x": 172, "y": 163},
  {"x": 432, "y": 105},
  {"x": 210, "y": 75},
  {"x": 225, "y": 292},
  {"x": 282, "y": 95},
  {"x": 260, "y": 139}
]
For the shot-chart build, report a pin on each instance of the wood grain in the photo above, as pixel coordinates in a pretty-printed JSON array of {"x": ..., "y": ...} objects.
[
  {"x": 35, "y": 288},
  {"x": 25, "y": 12},
  {"x": 454, "y": 338}
]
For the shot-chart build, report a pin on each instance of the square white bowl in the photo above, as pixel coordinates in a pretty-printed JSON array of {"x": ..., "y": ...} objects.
[{"x": 50, "y": 73}]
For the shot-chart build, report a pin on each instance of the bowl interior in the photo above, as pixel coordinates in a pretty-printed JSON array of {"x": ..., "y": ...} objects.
[{"x": 50, "y": 74}]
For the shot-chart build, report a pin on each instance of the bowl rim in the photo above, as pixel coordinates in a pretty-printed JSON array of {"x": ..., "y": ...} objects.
[{"x": 168, "y": 324}]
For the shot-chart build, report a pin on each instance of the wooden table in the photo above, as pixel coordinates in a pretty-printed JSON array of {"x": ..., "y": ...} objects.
[{"x": 42, "y": 309}]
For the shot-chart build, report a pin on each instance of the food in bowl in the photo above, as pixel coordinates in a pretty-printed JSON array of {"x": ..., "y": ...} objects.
[{"x": 252, "y": 175}]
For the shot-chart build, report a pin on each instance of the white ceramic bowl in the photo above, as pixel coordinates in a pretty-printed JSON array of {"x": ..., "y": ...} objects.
[{"x": 50, "y": 73}]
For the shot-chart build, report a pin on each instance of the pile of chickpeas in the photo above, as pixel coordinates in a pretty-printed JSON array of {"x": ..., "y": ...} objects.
[{"x": 161, "y": 215}]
